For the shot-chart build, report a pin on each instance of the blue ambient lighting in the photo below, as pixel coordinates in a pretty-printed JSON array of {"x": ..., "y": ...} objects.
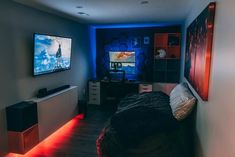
[{"x": 92, "y": 32}]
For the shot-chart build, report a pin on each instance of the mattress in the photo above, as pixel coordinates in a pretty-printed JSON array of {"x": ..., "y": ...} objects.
[{"x": 142, "y": 126}]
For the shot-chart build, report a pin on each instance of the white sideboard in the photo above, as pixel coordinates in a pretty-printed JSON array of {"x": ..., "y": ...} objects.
[{"x": 56, "y": 110}]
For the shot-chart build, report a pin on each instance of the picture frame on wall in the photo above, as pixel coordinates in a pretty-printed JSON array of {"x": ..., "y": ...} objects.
[
  {"x": 199, "y": 51},
  {"x": 136, "y": 42},
  {"x": 146, "y": 40}
]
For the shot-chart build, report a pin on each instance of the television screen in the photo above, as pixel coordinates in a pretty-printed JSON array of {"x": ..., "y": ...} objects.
[
  {"x": 122, "y": 56},
  {"x": 51, "y": 54},
  {"x": 123, "y": 61}
]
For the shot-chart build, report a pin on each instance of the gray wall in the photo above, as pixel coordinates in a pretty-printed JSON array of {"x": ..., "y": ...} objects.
[
  {"x": 215, "y": 119},
  {"x": 17, "y": 25}
]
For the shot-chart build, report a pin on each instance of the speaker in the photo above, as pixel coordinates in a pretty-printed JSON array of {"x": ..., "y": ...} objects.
[
  {"x": 52, "y": 91},
  {"x": 42, "y": 93},
  {"x": 21, "y": 116}
]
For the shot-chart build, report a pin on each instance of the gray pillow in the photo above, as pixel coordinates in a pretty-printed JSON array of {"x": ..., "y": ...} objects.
[{"x": 181, "y": 101}]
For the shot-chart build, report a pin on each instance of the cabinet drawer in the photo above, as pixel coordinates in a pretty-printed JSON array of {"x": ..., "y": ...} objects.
[
  {"x": 94, "y": 94},
  {"x": 94, "y": 84},
  {"x": 94, "y": 89},
  {"x": 94, "y": 100},
  {"x": 145, "y": 88},
  {"x": 97, "y": 92}
]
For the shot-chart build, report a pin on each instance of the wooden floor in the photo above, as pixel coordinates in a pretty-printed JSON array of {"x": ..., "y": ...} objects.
[{"x": 76, "y": 139}]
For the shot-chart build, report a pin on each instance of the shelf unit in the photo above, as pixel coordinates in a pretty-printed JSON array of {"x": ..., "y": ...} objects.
[{"x": 166, "y": 67}]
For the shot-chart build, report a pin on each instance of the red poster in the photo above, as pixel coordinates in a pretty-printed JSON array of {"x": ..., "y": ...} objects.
[{"x": 198, "y": 51}]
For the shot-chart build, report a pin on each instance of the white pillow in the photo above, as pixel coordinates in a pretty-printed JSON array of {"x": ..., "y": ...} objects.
[{"x": 181, "y": 101}]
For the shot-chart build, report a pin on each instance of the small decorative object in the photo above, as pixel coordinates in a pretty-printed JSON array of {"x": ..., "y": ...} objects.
[
  {"x": 161, "y": 53},
  {"x": 198, "y": 51},
  {"x": 173, "y": 40},
  {"x": 146, "y": 40},
  {"x": 136, "y": 42}
]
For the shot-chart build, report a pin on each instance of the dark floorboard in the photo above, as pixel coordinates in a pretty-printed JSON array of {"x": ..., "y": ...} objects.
[
  {"x": 82, "y": 142},
  {"x": 77, "y": 140}
]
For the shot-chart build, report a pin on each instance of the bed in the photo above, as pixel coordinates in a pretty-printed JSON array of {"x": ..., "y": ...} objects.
[{"x": 150, "y": 125}]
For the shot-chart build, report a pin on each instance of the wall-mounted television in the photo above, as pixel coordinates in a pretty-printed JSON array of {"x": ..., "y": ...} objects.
[
  {"x": 122, "y": 60},
  {"x": 51, "y": 54}
]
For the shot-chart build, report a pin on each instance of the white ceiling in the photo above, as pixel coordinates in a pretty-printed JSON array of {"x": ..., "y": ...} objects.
[{"x": 115, "y": 11}]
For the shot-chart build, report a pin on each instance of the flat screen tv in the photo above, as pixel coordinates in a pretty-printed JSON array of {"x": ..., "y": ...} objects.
[
  {"x": 122, "y": 60},
  {"x": 51, "y": 54}
]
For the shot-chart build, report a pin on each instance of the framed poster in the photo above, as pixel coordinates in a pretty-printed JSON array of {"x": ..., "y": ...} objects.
[
  {"x": 198, "y": 51},
  {"x": 136, "y": 42},
  {"x": 146, "y": 40}
]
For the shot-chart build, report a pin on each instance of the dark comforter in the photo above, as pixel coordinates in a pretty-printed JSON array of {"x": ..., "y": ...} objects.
[{"x": 142, "y": 126}]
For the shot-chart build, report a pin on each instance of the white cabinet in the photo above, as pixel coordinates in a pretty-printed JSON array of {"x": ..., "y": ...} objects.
[
  {"x": 56, "y": 110},
  {"x": 94, "y": 92}
]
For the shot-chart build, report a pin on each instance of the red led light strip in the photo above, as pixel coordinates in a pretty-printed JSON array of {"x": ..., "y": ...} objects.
[{"x": 47, "y": 147}]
